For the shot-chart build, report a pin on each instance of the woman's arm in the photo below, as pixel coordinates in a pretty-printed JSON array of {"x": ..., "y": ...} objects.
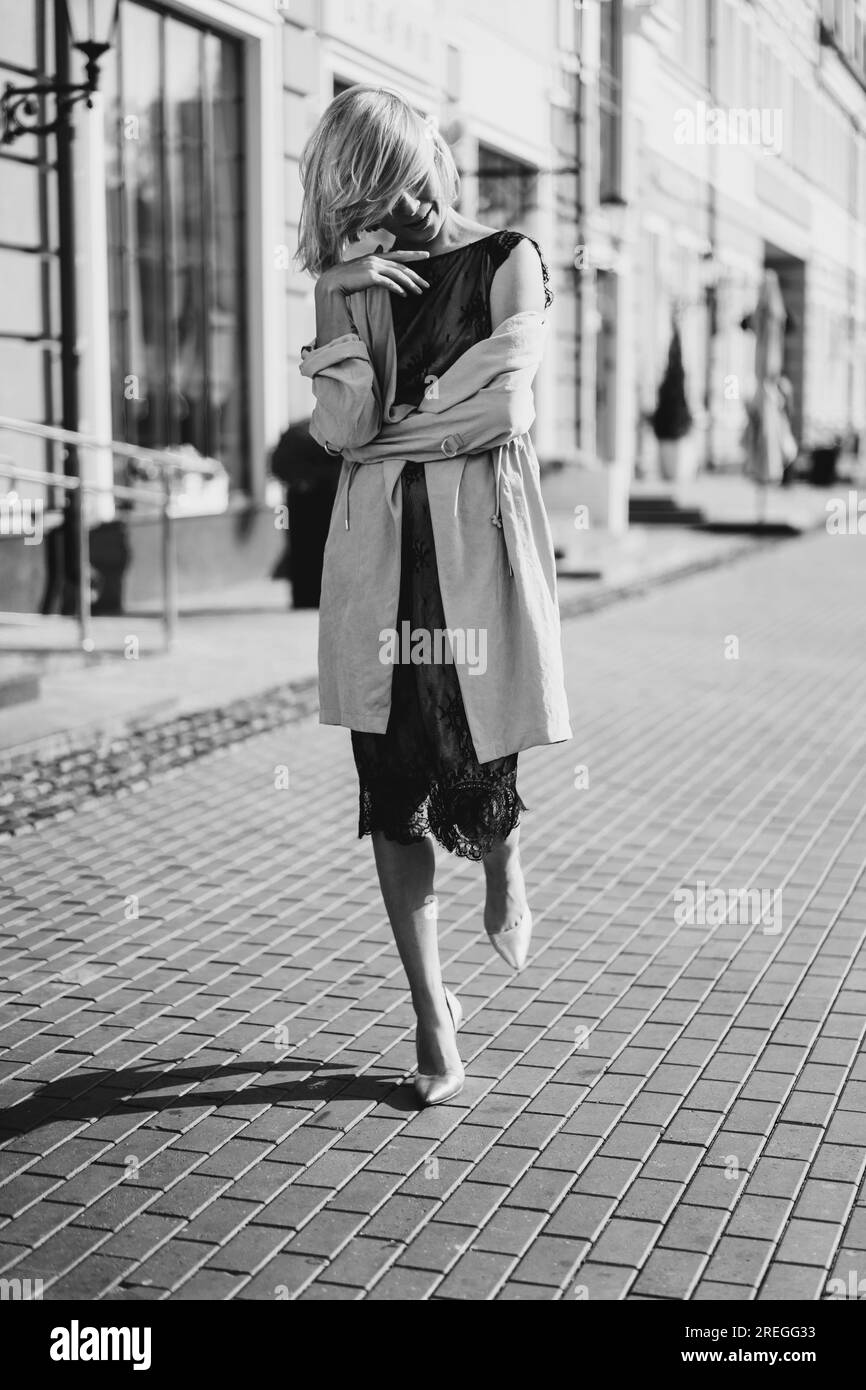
[
  {"x": 494, "y": 415},
  {"x": 390, "y": 270},
  {"x": 333, "y": 318},
  {"x": 348, "y": 407},
  {"x": 347, "y": 412},
  {"x": 518, "y": 285},
  {"x": 498, "y": 409}
]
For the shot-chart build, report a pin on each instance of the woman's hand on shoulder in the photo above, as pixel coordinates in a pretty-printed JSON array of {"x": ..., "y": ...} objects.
[
  {"x": 390, "y": 269},
  {"x": 518, "y": 285}
]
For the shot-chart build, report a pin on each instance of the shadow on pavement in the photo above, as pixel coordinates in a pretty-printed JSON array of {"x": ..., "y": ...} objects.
[{"x": 95, "y": 1094}]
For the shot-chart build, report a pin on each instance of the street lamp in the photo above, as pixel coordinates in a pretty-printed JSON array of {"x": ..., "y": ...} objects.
[{"x": 91, "y": 24}]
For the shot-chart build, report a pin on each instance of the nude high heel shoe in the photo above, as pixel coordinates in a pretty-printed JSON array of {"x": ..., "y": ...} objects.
[
  {"x": 434, "y": 1089},
  {"x": 513, "y": 943}
]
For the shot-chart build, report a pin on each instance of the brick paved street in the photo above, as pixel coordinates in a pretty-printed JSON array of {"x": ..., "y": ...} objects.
[{"x": 207, "y": 1036}]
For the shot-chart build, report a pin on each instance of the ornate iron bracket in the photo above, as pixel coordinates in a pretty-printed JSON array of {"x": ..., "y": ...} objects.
[{"x": 19, "y": 106}]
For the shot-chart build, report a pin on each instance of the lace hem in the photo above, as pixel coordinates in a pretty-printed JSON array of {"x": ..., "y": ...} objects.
[{"x": 467, "y": 819}]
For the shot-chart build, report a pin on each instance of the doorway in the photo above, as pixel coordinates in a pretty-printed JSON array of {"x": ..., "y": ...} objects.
[{"x": 792, "y": 282}]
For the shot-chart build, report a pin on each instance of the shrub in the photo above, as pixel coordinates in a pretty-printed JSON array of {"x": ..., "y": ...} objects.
[{"x": 672, "y": 418}]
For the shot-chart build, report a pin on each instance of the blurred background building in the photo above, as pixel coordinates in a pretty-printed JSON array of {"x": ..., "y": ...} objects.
[{"x": 663, "y": 152}]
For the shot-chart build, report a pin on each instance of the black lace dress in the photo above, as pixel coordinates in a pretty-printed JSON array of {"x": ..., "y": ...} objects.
[{"x": 422, "y": 776}]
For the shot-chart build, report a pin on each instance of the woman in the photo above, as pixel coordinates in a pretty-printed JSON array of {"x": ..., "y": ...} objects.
[{"x": 439, "y": 632}]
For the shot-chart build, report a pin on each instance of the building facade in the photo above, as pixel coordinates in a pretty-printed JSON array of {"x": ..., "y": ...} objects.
[
  {"x": 747, "y": 139},
  {"x": 664, "y": 153}
]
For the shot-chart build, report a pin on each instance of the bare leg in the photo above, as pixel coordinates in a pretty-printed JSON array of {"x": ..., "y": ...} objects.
[
  {"x": 506, "y": 890},
  {"x": 406, "y": 877}
]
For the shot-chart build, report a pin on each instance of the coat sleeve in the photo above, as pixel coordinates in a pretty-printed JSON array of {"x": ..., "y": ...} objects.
[
  {"x": 348, "y": 409},
  {"x": 495, "y": 415}
]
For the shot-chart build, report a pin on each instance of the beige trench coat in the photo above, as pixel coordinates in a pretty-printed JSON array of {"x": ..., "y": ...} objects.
[{"x": 494, "y": 550}]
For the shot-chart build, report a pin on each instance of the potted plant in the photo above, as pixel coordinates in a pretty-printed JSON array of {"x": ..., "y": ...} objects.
[{"x": 672, "y": 420}]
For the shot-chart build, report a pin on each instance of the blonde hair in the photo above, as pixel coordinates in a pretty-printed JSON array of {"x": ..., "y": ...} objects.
[{"x": 369, "y": 146}]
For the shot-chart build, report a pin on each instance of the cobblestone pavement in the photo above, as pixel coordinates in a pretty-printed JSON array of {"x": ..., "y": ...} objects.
[
  {"x": 207, "y": 1035},
  {"x": 67, "y": 771}
]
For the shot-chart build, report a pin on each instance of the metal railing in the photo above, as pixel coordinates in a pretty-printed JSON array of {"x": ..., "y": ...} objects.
[{"x": 168, "y": 466}]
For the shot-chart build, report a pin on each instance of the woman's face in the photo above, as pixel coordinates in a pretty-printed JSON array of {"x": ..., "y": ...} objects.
[{"x": 418, "y": 214}]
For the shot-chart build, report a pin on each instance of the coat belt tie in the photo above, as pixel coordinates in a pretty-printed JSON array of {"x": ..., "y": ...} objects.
[
  {"x": 496, "y": 518},
  {"x": 352, "y": 468}
]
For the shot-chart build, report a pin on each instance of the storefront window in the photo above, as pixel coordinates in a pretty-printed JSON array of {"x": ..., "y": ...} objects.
[
  {"x": 29, "y": 303},
  {"x": 175, "y": 182}
]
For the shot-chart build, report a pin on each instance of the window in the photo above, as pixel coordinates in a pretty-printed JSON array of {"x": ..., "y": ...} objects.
[
  {"x": 786, "y": 103},
  {"x": 725, "y": 59},
  {"x": 507, "y": 188},
  {"x": 569, "y": 25},
  {"x": 747, "y": 50},
  {"x": 842, "y": 28},
  {"x": 175, "y": 191},
  {"x": 30, "y": 328},
  {"x": 453, "y": 73},
  {"x": 695, "y": 40},
  {"x": 610, "y": 102}
]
